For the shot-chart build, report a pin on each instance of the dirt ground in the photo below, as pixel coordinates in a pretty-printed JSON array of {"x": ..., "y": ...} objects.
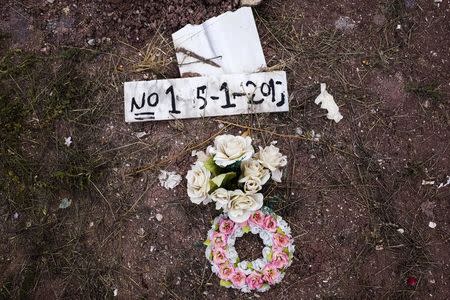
[{"x": 359, "y": 198}]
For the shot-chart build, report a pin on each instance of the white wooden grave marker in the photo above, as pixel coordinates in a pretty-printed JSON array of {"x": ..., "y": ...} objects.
[{"x": 197, "y": 97}]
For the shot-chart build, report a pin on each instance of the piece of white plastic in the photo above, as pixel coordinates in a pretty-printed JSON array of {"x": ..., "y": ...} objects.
[
  {"x": 326, "y": 101},
  {"x": 226, "y": 44}
]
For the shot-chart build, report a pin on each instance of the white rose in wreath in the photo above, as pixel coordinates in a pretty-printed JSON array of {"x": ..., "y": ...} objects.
[
  {"x": 198, "y": 184},
  {"x": 271, "y": 158},
  {"x": 242, "y": 205},
  {"x": 221, "y": 197},
  {"x": 252, "y": 185},
  {"x": 253, "y": 168},
  {"x": 229, "y": 149}
]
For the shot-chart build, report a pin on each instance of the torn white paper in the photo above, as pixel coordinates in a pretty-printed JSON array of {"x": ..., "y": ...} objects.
[
  {"x": 326, "y": 101},
  {"x": 226, "y": 44},
  {"x": 198, "y": 97},
  {"x": 169, "y": 180}
]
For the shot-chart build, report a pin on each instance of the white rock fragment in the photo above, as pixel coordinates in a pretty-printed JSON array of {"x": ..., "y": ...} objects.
[
  {"x": 115, "y": 292},
  {"x": 15, "y": 215},
  {"x": 51, "y": 1},
  {"x": 169, "y": 180},
  {"x": 250, "y": 2},
  {"x": 432, "y": 225},
  {"x": 159, "y": 217},
  {"x": 401, "y": 230},
  {"x": 140, "y": 134},
  {"x": 428, "y": 182},
  {"x": 68, "y": 141},
  {"x": 298, "y": 131},
  {"x": 379, "y": 247},
  {"x": 441, "y": 185},
  {"x": 326, "y": 101},
  {"x": 65, "y": 203}
]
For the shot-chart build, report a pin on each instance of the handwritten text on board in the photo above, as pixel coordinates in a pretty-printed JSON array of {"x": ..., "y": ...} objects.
[{"x": 205, "y": 96}]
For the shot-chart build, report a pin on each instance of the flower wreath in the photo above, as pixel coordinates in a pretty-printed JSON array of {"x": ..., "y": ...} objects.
[{"x": 258, "y": 274}]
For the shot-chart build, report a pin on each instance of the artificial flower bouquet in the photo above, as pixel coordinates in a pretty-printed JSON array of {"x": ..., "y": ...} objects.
[{"x": 232, "y": 175}]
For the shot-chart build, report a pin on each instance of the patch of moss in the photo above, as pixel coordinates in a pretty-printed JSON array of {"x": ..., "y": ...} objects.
[{"x": 430, "y": 91}]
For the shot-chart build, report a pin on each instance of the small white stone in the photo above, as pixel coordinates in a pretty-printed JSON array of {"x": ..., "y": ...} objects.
[
  {"x": 432, "y": 225},
  {"x": 379, "y": 247},
  {"x": 250, "y": 2},
  {"x": 401, "y": 230},
  {"x": 115, "y": 292},
  {"x": 140, "y": 134},
  {"x": 159, "y": 217},
  {"x": 15, "y": 216},
  {"x": 91, "y": 42}
]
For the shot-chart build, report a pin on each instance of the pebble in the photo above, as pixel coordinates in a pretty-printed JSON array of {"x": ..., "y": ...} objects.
[
  {"x": 432, "y": 225},
  {"x": 401, "y": 230},
  {"x": 51, "y": 1},
  {"x": 159, "y": 217},
  {"x": 91, "y": 42}
]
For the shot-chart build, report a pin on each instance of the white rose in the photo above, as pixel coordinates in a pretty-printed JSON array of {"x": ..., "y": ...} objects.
[
  {"x": 198, "y": 183},
  {"x": 232, "y": 255},
  {"x": 253, "y": 168},
  {"x": 259, "y": 264},
  {"x": 252, "y": 185},
  {"x": 229, "y": 149},
  {"x": 201, "y": 155},
  {"x": 271, "y": 158},
  {"x": 221, "y": 197},
  {"x": 242, "y": 205},
  {"x": 264, "y": 288}
]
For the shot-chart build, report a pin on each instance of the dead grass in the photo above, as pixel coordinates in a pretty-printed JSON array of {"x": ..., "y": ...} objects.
[{"x": 156, "y": 57}]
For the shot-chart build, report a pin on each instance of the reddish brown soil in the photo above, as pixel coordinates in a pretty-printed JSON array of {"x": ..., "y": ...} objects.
[{"x": 345, "y": 196}]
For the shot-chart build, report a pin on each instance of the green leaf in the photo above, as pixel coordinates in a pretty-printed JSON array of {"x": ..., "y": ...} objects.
[
  {"x": 246, "y": 229},
  {"x": 212, "y": 187},
  {"x": 207, "y": 242},
  {"x": 269, "y": 256},
  {"x": 223, "y": 179},
  {"x": 211, "y": 166},
  {"x": 250, "y": 266},
  {"x": 225, "y": 283},
  {"x": 280, "y": 231}
]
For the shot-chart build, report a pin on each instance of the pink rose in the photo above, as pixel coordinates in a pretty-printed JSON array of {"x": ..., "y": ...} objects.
[
  {"x": 270, "y": 223},
  {"x": 280, "y": 240},
  {"x": 279, "y": 259},
  {"x": 219, "y": 256},
  {"x": 254, "y": 281},
  {"x": 219, "y": 239},
  {"x": 257, "y": 218},
  {"x": 271, "y": 274},
  {"x": 225, "y": 271},
  {"x": 238, "y": 278},
  {"x": 226, "y": 227}
]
